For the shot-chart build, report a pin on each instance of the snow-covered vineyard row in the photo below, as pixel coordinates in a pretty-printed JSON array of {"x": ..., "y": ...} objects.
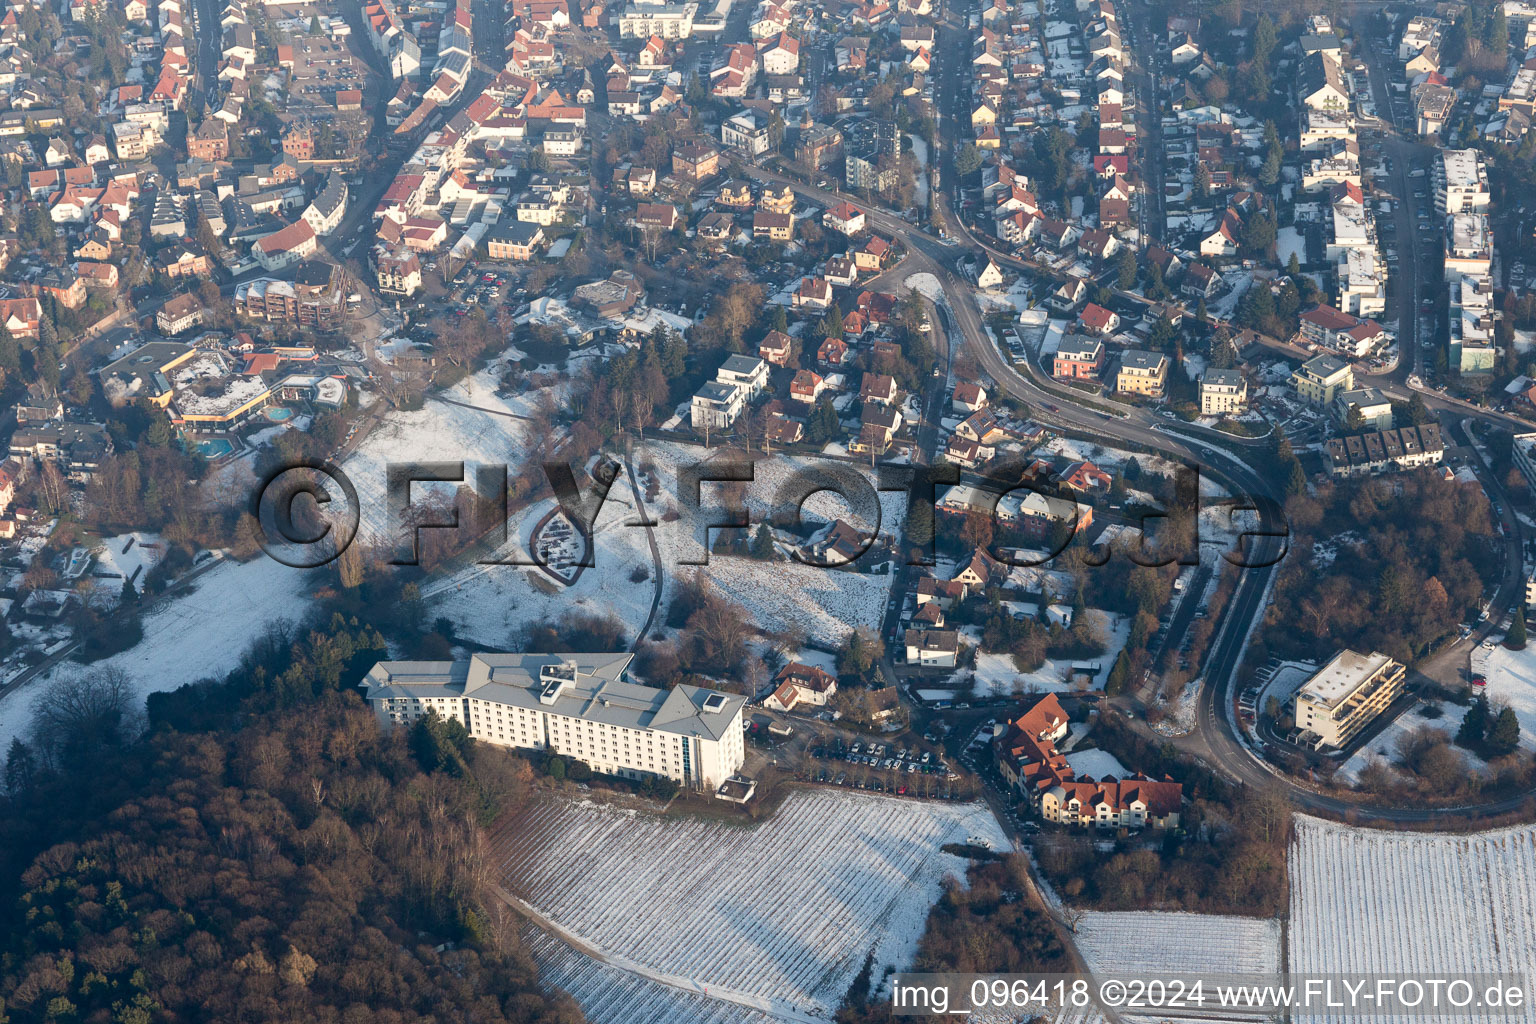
[
  {"x": 705, "y": 900},
  {"x": 1154, "y": 942},
  {"x": 608, "y": 995},
  {"x": 1393, "y": 903}
]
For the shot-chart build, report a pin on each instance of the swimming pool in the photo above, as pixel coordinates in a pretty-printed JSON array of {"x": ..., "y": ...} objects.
[
  {"x": 215, "y": 447},
  {"x": 278, "y": 414}
]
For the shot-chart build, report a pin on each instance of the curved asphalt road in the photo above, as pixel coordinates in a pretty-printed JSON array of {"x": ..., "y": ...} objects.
[{"x": 1215, "y": 725}]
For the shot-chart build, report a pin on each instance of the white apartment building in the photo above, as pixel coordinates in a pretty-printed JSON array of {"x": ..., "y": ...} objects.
[
  {"x": 1468, "y": 246},
  {"x": 1362, "y": 284},
  {"x": 1421, "y": 32},
  {"x": 1471, "y": 334},
  {"x": 1461, "y": 182},
  {"x": 669, "y": 21},
  {"x": 1352, "y": 229},
  {"x": 747, "y": 132},
  {"x": 1322, "y": 129},
  {"x": 575, "y": 705},
  {"x": 720, "y": 402},
  {"x": 1222, "y": 393},
  {"x": 716, "y": 406},
  {"x": 748, "y": 371},
  {"x": 1345, "y": 694}
]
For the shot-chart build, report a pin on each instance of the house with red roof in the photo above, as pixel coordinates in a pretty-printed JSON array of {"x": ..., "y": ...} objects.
[
  {"x": 1098, "y": 321},
  {"x": 1027, "y": 756}
]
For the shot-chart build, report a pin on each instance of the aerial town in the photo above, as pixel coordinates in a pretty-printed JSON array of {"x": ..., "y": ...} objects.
[{"x": 698, "y": 510}]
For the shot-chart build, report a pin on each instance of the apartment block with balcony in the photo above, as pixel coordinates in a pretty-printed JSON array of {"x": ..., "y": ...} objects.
[{"x": 1344, "y": 696}]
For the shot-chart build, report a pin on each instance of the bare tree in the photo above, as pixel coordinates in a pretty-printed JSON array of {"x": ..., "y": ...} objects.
[{"x": 83, "y": 711}]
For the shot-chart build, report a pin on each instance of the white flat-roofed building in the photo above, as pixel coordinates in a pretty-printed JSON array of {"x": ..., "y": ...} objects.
[
  {"x": 575, "y": 705},
  {"x": 1321, "y": 128},
  {"x": 669, "y": 21},
  {"x": 1362, "y": 283},
  {"x": 1345, "y": 694},
  {"x": 1468, "y": 246},
  {"x": 1461, "y": 182},
  {"x": 1222, "y": 392}
]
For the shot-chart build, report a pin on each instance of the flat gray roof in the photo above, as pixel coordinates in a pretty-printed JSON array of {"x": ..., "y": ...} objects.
[{"x": 598, "y": 693}]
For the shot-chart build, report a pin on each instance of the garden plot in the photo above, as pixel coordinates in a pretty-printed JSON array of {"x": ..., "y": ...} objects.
[
  {"x": 121, "y": 559},
  {"x": 1154, "y": 942},
  {"x": 1372, "y": 902},
  {"x": 686, "y": 897}
]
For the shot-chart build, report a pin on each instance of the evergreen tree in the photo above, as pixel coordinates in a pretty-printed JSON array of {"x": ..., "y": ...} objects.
[
  {"x": 20, "y": 767},
  {"x": 1127, "y": 269},
  {"x": 1297, "y": 482},
  {"x": 1505, "y": 734},
  {"x": 832, "y": 322},
  {"x": 1515, "y": 640},
  {"x": 10, "y": 352},
  {"x": 1293, "y": 265},
  {"x": 1473, "y": 724},
  {"x": 1119, "y": 676},
  {"x": 762, "y": 544}
]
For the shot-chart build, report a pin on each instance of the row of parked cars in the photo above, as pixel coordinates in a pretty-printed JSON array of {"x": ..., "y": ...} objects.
[{"x": 886, "y": 757}]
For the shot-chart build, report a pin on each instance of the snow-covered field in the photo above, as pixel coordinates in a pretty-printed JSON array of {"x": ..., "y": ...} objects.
[
  {"x": 709, "y": 901},
  {"x": 1155, "y": 942},
  {"x": 826, "y": 604},
  {"x": 1511, "y": 681},
  {"x": 437, "y": 432},
  {"x": 493, "y": 603},
  {"x": 611, "y": 995},
  {"x": 1378, "y": 902},
  {"x": 197, "y": 635}
]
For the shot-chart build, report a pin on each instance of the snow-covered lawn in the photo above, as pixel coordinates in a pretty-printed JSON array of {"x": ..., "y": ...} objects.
[
  {"x": 437, "y": 432},
  {"x": 1376, "y": 902},
  {"x": 1156, "y": 942},
  {"x": 1511, "y": 679},
  {"x": 1287, "y": 241},
  {"x": 1386, "y": 745},
  {"x": 786, "y": 909},
  {"x": 827, "y": 604},
  {"x": 492, "y": 604},
  {"x": 114, "y": 566},
  {"x": 198, "y": 635},
  {"x": 996, "y": 675}
]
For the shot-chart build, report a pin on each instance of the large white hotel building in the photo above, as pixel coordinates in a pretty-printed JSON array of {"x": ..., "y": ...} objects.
[{"x": 575, "y": 705}]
